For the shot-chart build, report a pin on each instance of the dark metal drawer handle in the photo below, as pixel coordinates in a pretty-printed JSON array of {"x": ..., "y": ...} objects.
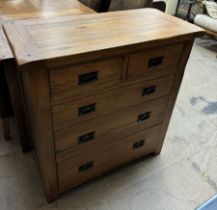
[
  {"x": 144, "y": 116},
  {"x": 149, "y": 90},
  {"x": 86, "y": 138},
  {"x": 85, "y": 167},
  {"x": 88, "y": 78},
  {"x": 139, "y": 144},
  {"x": 87, "y": 109},
  {"x": 154, "y": 62}
]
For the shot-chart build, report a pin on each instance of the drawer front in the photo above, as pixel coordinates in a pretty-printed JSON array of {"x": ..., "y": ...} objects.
[
  {"x": 74, "y": 171},
  {"x": 76, "y": 81},
  {"x": 78, "y": 111},
  {"x": 141, "y": 116},
  {"x": 154, "y": 63}
]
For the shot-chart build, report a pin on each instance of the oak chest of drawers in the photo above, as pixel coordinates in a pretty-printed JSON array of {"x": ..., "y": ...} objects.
[{"x": 100, "y": 88}]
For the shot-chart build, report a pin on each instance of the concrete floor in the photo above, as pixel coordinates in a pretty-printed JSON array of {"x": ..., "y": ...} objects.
[{"x": 181, "y": 178}]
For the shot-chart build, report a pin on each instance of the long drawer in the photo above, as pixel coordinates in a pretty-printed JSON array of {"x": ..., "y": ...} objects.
[
  {"x": 81, "y": 110},
  {"x": 74, "y": 171},
  {"x": 154, "y": 63},
  {"x": 82, "y": 80},
  {"x": 141, "y": 116}
]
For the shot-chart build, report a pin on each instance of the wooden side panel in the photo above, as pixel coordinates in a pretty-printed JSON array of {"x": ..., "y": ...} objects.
[
  {"x": 177, "y": 83},
  {"x": 36, "y": 87},
  {"x": 18, "y": 103}
]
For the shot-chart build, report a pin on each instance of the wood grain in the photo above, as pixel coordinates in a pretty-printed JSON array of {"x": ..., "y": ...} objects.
[
  {"x": 67, "y": 114},
  {"x": 57, "y": 56},
  {"x": 87, "y": 33},
  {"x": 37, "y": 94},
  {"x": 65, "y": 82},
  {"x": 19, "y": 9},
  {"x": 28, "y": 9},
  {"x": 103, "y": 161},
  {"x": 103, "y": 125},
  {"x": 138, "y": 67},
  {"x": 177, "y": 83}
]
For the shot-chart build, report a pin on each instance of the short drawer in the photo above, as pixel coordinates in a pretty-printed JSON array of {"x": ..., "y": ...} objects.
[
  {"x": 81, "y": 110},
  {"x": 76, "y": 81},
  {"x": 141, "y": 116},
  {"x": 75, "y": 171},
  {"x": 154, "y": 63}
]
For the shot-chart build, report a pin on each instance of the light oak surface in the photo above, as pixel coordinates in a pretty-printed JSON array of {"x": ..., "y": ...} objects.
[
  {"x": 17, "y": 9},
  {"x": 62, "y": 37}
]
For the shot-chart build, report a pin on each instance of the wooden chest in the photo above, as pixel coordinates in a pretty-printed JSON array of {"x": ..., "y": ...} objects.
[{"x": 100, "y": 88}]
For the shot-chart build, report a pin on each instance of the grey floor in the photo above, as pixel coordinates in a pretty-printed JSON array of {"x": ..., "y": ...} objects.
[{"x": 181, "y": 178}]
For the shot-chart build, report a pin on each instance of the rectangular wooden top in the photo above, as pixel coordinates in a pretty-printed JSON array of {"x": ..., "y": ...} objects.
[
  {"x": 26, "y": 9},
  {"x": 42, "y": 39},
  {"x": 17, "y": 9}
]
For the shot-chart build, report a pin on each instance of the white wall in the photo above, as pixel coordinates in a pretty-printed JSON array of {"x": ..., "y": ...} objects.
[{"x": 171, "y": 6}]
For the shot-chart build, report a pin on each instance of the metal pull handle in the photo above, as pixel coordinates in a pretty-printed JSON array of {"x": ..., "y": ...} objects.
[
  {"x": 85, "y": 167},
  {"x": 154, "y": 62},
  {"x": 138, "y": 144},
  {"x": 144, "y": 116},
  {"x": 149, "y": 90},
  {"x": 86, "y": 138},
  {"x": 88, "y": 78},
  {"x": 87, "y": 109}
]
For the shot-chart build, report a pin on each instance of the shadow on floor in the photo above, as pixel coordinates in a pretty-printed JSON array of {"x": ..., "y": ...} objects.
[{"x": 210, "y": 108}]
